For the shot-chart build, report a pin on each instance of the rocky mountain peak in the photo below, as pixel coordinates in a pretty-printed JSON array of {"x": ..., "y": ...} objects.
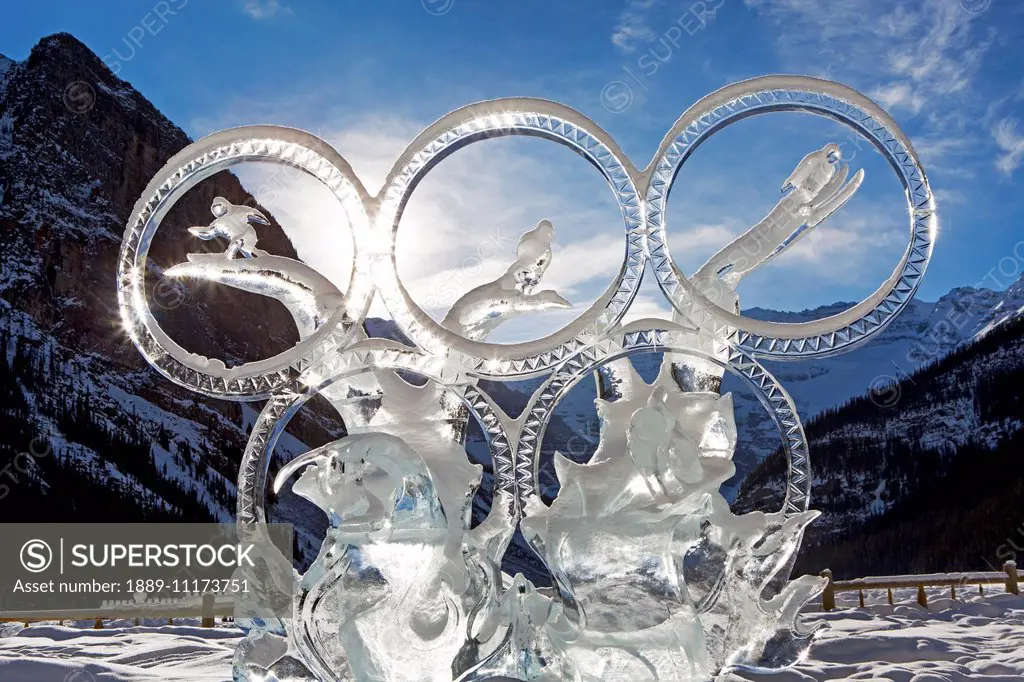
[
  {"x": 78, "y": 147},
  {"x": 81, "y": 145},
  {"x": 65, "y": 54}
]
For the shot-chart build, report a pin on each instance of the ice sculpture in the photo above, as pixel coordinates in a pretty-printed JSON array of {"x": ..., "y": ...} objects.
[
  {"x": 616, "y": 535},
  {"x": 234, "y": 223},
  {"x": 481, "y": 310},
  {"x": 655, "y": 577}
]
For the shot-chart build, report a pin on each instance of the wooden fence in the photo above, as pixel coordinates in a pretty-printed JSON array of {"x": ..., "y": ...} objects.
[
  {"x": 1007, "y": 577},
  {"x": 207, "y": 607}
]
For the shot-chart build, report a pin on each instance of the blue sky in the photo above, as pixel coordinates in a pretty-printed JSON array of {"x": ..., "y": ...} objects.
[{"x": 368, "y": 75}]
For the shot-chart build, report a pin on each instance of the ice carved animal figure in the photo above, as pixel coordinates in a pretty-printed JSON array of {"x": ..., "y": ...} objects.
[
  {"x": 752, "y": 618},
  {"x": 339, "y": 478},
  {"x": 619, "y": 528},
  {"x": 396, "y": 624}
]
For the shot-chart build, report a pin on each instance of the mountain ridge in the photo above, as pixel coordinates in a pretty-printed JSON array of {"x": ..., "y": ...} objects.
[
  {"x": 927, "y": 481},
  {"x": 73, "y": 167}
]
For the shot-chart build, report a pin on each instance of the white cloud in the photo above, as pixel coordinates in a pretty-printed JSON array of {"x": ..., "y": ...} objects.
[
  {"x": 603, "y": 255},
  {"x": 843, "y": 249},
  {"x": 935, "y": 149},
  {"x": 911, "y": 53},
  {"x": 1011, "y": 143},
  {"x": 896, "y": 95},
  {"x": 264, "y": 9},
  {"x": 632, "y": 26},
  {"x": 647, "y": 305},
  {"x": 708, "y": 237},
  {"x": 922, "y": 58},
  {"x": 950, "y": 197}
]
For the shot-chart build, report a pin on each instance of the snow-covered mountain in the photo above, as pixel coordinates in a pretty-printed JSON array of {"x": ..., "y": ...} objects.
[
  {"x": 930, "y": 479},
  {"x": 923, "y": 333},
  {"x": 77, "y": 146}
]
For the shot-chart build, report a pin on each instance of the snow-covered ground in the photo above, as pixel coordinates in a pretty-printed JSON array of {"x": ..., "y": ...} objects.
[
  {"x": 119, "y": 653},
  {"x": 977, "y": 639},
  {"x": 952, "y": 641}
]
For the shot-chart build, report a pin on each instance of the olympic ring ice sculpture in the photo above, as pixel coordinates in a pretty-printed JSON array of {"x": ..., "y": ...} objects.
[{"x": 404, "y": 589}]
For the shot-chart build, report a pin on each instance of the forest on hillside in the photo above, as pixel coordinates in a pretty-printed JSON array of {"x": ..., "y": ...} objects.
[{"x": 934, "y": 482}]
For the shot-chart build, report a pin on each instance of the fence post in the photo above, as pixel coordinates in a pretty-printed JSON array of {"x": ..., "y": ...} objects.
[
  {"x": 889, "y": 590},
  {"x": 952, "y": 591},
  {"x": 1012, "y": 586},
  {"x": 828, "y": 597},
  {"x": 208, "y": 611},
  {"x": 860, "y": 594},
  {"x": 922, "y": 597},
  {"x": 98, "y": 625}
]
